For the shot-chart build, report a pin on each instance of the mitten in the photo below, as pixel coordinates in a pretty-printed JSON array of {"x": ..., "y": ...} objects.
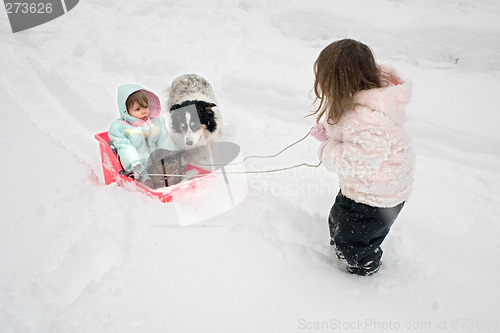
[
  {"x": 319, "y": 133},
  {"x": 137, "y": 171}
]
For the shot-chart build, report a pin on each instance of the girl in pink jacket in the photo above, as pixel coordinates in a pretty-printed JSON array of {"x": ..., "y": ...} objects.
[{"x": 360, "y": 121}]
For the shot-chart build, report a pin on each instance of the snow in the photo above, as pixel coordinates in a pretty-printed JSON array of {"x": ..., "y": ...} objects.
[{"x": 79, "y": 256}]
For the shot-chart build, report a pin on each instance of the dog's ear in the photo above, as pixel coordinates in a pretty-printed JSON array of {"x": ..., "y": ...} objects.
[
  {"x": 206, "y": 105},
  {"x": 208, "y": 108},
  {"x": 174, "y": 107}
]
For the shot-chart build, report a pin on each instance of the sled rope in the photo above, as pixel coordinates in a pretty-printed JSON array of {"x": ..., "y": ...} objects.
[
  {"x": 236, "y": 172},
  {"x": 277, "y": 154},
  {"x": 249, "y": 157}
]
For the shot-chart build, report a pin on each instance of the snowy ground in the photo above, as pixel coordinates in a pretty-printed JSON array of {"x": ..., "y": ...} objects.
[{"x": 79, "y": 256}]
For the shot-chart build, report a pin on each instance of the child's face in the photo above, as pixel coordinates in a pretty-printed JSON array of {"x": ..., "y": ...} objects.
[{"x": 139, "y": 112}]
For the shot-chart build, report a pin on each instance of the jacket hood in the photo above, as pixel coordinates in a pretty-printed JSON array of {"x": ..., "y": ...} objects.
[
  {"x": 125, "y": 91},
  {"x": 391, "y": 98}
]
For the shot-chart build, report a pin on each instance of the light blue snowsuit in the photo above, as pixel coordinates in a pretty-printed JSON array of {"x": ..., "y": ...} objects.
[{"x": 135, "y": 139}]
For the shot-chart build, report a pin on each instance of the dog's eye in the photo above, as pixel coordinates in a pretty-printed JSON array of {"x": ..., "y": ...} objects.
[{"x": 195, "y": 125}]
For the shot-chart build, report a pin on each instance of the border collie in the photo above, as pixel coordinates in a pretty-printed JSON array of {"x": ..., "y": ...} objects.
[{"x": 194, "y": 118}]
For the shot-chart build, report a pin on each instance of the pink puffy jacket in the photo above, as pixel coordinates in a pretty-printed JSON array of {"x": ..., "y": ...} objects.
[{"x": 369, "y": 148}]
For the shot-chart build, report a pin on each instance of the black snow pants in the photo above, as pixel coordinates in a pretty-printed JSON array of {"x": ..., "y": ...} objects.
[{"x": 357, "y": 231}]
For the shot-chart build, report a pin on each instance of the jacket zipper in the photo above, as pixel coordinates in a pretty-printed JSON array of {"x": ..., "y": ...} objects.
[{"x": 147, "y": 138}]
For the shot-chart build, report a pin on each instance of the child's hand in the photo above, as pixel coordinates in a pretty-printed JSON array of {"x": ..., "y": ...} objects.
[
  {"x": 137, "y": 170},
  {"x": 319, "y": 133}
]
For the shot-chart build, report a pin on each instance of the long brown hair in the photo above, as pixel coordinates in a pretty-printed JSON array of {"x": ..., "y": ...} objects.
[{"x": 342, "y": 69}]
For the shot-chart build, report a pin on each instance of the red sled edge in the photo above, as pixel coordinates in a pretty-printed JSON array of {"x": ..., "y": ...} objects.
[{"x": 111, "y": 167}]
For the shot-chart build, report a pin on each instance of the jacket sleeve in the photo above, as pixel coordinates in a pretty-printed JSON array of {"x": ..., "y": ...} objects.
[
  {"x": 366, "y": 144},
  {"x": 129, "y": 157}
]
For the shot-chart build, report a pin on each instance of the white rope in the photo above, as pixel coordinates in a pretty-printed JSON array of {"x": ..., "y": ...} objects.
[
  {"x": 280, "y": 152},
  {"x": 235, "y": 172},
  {"x": 242, "y": 161}
]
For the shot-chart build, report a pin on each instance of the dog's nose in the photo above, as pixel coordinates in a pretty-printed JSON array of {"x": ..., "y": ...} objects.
[{"x": 189, "y": 142}]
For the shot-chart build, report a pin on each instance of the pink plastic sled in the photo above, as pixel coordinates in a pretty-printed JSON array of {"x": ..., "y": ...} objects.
[{"x": 111, "y": 167}]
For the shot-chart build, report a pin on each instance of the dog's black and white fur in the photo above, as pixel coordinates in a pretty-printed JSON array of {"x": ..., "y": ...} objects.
[
  {"x": 194, "y": 115},
  {"x": 191, "y": 121}
]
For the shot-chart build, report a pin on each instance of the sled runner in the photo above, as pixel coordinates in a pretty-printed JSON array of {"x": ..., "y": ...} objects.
[{"x": 114, "y": 173}]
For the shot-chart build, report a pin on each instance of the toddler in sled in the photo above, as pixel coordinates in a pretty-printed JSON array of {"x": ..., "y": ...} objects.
[{"x": 141, "y": 139}]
